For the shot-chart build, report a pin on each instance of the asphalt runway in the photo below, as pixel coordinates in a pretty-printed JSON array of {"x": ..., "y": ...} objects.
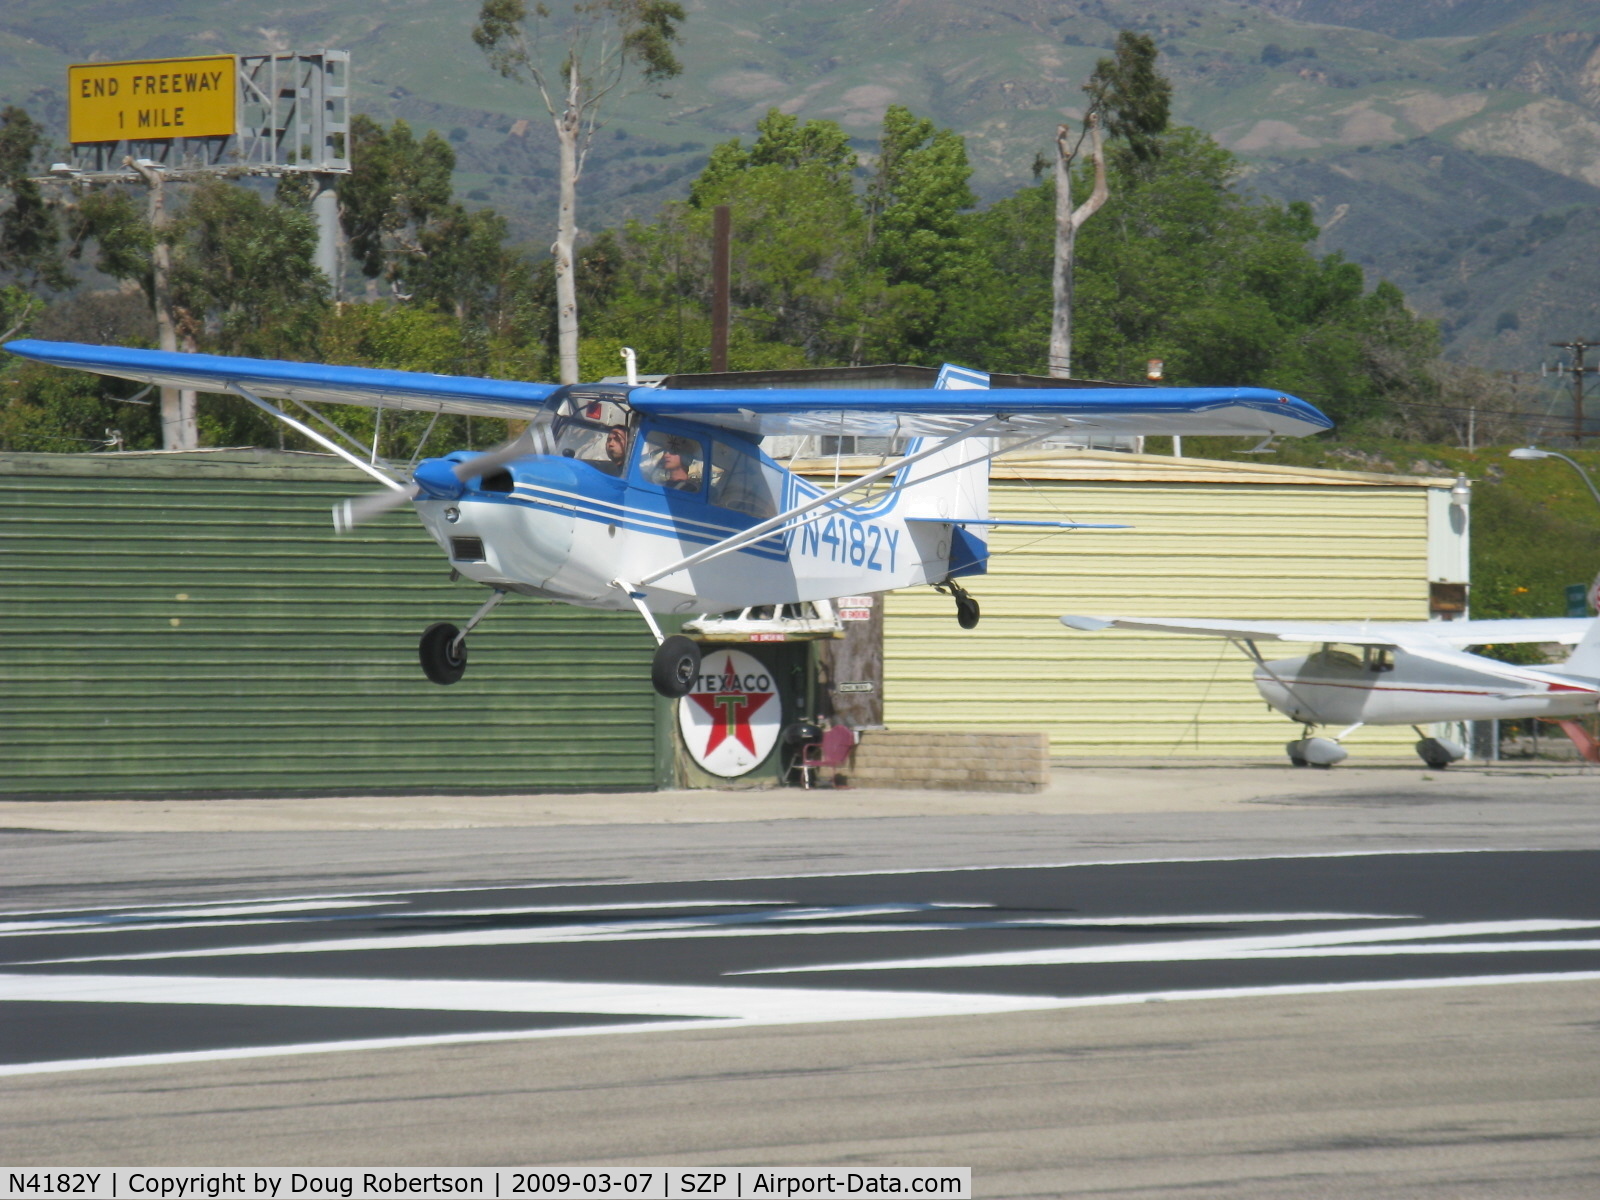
[{"x": 1368, "y": 988}]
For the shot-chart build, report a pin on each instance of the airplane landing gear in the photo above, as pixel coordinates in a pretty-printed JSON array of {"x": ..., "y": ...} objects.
[
  {"x": 1438, "y": 753},
  {"x": 967, "y": 612},
  {"x": 443, "y": 648},
  {"x": 675, "y": 666},
  {"x": 1318, "y": 752},
  {"x": 443, "y": 652}
]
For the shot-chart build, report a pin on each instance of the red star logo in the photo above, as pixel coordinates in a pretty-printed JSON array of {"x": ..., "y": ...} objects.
[{"x": 730, "y": 708}]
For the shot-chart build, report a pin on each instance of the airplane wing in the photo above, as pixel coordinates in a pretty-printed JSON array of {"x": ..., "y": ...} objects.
[
  {"x": 885, "y": 412},
  {"x": 1407, "y": 635},
  {"x": 309, "y": 383},
  {"x": 924, "y": 412}
]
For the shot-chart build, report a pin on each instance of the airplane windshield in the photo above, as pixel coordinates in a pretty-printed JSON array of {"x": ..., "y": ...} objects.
[{"x": 594, "y": 427}]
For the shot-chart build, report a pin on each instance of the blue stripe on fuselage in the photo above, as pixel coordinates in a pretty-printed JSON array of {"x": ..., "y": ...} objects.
[{"x": 639, "y": 520}]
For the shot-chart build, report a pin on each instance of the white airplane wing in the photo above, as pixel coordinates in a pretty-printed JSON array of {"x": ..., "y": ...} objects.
[
  {"x": 1350, "y": 633},
  {"x": 1403, "y": 634},
  {"x": 309, "y": 383}
]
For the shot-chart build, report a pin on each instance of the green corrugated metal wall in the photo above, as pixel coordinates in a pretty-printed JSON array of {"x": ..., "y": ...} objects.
[
  {"x": 192, "y": 624},
  {"x": 1290, "y": 549}
]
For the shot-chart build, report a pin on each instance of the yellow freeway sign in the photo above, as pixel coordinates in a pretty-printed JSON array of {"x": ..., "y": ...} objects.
[{"x": 152, "y": 100}]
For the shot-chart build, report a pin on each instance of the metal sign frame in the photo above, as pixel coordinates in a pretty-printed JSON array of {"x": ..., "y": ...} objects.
[{"x": 293, "y": 116}]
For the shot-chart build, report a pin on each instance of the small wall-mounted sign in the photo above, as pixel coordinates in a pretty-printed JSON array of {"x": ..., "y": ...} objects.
[{"x": 853, "y": 687}]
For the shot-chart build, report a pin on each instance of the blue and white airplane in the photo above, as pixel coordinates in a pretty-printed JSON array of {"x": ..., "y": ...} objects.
[{"x": 620, "y": 496}]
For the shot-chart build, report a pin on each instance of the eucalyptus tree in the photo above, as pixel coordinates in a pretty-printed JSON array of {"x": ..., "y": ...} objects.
[
  {"x": 577, "y": 62},
  {"x": 1132, "y": 101}
]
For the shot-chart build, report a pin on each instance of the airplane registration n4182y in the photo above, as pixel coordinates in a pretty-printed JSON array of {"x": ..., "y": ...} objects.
[
  {"x": 620, "y": 496},
  {"x": 1403, "y": 673}
]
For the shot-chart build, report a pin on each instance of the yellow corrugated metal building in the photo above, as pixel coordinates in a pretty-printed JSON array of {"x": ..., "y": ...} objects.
[{"x": 1209, "y": 539}]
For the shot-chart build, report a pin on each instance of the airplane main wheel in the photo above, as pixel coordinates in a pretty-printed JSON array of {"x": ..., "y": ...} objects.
[
  {"x": 443, "y": 661},
  {"x": 1437, "y": 753},
  {"x": 966, "y": 612},
  {"x": 675, "y": 666}
]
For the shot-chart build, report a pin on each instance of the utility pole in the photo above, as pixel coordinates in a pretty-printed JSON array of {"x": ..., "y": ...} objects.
[
  {"x": 721, "y": 254},
  {"x": 1577, "y": 370}
]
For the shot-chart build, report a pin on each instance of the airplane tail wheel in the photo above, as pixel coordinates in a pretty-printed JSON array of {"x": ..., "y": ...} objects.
[
  {"x": 676, "y": 664},
  {"x": 966, "y": 611},
  {"x": 442, "y": 660}
]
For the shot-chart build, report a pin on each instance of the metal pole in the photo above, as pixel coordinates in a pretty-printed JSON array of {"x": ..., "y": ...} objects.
[
  {"x": 325, "y": 210},
  {"x": 1584, "y": 475},
  {"x": 1577, "y": 391}
]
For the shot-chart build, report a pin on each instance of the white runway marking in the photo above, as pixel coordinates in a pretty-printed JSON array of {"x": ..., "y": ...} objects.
[
  {"x": 1291, "y": 945},
  {"x": 173, "y": 918},
  {"x": 759, "y": 1004},
  {"x": 776, "y": 922},
  {"x": 210, "y": 918},
  {"x": 1010, "y": 1004}
]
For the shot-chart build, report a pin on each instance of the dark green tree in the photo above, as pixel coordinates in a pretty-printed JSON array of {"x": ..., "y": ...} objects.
[
  {"x": 398, "y": 186},
  {"x": 782, "y": 140},
  {"x": 1134, "y": 100},
  {"x": 916, "y": 230},
  {"x": 803, "y": 280},
  {"x": 238, "y": 278},
  {"x": 31, "y": 258}
]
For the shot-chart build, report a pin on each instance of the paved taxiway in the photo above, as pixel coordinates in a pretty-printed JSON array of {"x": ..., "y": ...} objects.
[{"x": 1476, "y": 1091}]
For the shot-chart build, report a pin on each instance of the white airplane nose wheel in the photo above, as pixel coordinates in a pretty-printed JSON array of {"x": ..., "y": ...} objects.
[
  {"x": 675, "y": 666},
  {"x": 443, "y": 652}
]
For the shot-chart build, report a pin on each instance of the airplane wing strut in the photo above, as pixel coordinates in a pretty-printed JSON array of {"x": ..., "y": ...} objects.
[{"x": 301, "y": 427}]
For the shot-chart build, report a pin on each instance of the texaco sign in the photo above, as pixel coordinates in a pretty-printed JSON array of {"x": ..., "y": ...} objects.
[{"x": 730, "y": 718}]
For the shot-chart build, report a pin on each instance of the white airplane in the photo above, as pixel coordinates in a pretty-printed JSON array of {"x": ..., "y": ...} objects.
[
  {"x": 1403, "y": 673},
  {"x": 661, "y": 500}
]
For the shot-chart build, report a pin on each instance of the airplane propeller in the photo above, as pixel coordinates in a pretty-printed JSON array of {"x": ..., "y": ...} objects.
[{"x": 435, "y": 476}]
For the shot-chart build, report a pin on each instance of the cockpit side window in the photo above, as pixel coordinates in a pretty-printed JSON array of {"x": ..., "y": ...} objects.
[
  {"x": 742, "y": 482},
  {"x": 673, "y": 461},
  {"x": 594, "y": 427}
]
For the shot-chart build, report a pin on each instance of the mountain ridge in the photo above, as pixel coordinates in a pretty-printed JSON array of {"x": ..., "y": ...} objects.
[{"x": 1343, "y": 103}]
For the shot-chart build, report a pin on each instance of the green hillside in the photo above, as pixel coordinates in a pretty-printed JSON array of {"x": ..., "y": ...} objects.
[{"x": 1452, "y": 145}]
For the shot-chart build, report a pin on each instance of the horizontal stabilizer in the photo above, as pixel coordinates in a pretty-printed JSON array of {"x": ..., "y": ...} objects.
[{"x": 1002, "y": 521}]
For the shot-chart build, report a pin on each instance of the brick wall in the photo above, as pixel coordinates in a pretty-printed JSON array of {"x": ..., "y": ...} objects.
[{"x": 952, "y": 759}]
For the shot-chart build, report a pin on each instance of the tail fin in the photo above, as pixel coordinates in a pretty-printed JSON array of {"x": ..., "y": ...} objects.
[
  {"x": 955, "y": 483},
  {"x": 1585, "y": 657}
]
